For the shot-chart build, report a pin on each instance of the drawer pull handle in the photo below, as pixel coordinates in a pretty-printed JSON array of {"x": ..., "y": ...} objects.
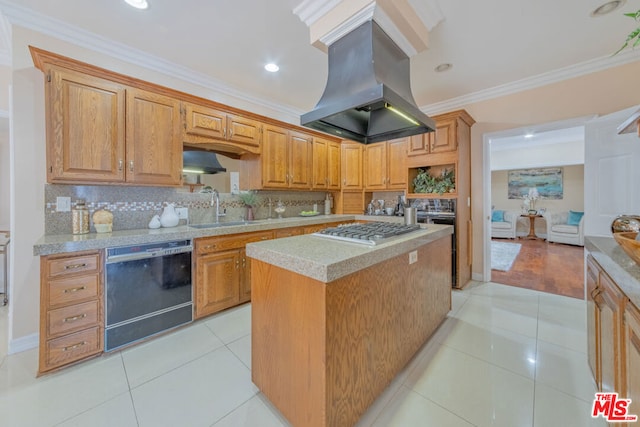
[
  {"x": 71, "y": 290},
  {"x": 74, "y": 266},
  {"x": 210, "y": 247},
  {"x": 264, "y": 238},
  {"x": 74, "y": 318},
  {"x": 73, "y": 347}
]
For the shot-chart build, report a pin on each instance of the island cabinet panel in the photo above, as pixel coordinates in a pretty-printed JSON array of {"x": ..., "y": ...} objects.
[
  {"x": 323, "y": 352},
  {"x": 593, "y": 318},
  {"x": 632, "y": 367},
  {"x": 611, "y": 304},
  {"x": 71, "y": 307},
  {"x": 85, "y": 127}
]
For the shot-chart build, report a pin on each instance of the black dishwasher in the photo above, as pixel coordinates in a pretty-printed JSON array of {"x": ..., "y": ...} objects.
[{"x": 148, "y": 290}]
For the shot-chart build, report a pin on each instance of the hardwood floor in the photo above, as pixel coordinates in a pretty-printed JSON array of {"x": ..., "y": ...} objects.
[{"x": 548, "y": 267}]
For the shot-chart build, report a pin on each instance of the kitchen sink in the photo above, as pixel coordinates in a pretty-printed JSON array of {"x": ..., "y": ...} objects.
[{"x": 220, "y": 224}]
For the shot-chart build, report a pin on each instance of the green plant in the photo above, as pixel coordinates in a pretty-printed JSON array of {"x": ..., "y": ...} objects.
[
  {"x": 634, "y": 36},
  {"x": 424, "y": 182},
  {"x": 249, "y": 198}
]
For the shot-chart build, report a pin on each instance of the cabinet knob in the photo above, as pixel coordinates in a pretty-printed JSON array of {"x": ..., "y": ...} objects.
[
  {"x": 131, "y": 165},
  {"x": 237, "y": 264},
  {"x": 120, "y": 164},
  {"x": 224, "y": 133}
]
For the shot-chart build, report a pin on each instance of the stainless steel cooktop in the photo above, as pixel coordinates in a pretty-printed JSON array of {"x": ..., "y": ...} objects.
[{"x": 370, "y": 233}]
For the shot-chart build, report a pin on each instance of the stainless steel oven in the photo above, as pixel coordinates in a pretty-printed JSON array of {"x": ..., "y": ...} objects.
[{"x": 148, "y": 290}]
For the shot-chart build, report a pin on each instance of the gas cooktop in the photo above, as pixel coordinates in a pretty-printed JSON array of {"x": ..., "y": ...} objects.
[{"x": 370, "y": 233}]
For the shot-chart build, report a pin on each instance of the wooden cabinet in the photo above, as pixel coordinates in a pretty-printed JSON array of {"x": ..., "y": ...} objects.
[
  {"x": 351, "y": 166},
  {"x": 85, "y": 127},
  {"x": 71, "y": 320},
  {"x": 444, "y": 139},
  {"x": 224, "y": 131},
  {"x": 223, "y": 272},
  {"x": 613, "y": 336},
  {"x": 153, "y": 139},
  {"x": 285, "y": 162},
  {"x": 100, "y": 131},
  {"x": 385, "y": 166},
  {"x": 326, "y": 164},
  {"x": 632, "y": 365}
]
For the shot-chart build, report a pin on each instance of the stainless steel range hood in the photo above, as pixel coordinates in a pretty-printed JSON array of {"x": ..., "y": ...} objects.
[
  {"x": 368, "y": 94},
  {"x": 197, "y": 161}
]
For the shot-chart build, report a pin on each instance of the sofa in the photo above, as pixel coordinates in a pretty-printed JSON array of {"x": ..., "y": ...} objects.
[
  {"x": 503, "y": 223},
  {"x": 565, "y": 227}
]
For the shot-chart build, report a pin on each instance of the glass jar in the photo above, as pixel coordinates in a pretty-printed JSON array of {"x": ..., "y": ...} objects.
[{"x": 80, "y": 218}]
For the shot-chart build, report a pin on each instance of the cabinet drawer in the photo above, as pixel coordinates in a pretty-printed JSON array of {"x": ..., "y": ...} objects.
[
  {"x": 73, "y": 265},
  {"x": 73, "y": 347},
  {"x": 235, "y": 241},
  {"x": 72, "y": 289},
  {"x": 72, "y": 318}
]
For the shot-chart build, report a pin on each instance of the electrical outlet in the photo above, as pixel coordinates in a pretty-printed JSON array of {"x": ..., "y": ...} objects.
[
  {"x": 63, "y": 204},
  {"x": 183, "y": 213},
  {"x": 413, "y": 257}
]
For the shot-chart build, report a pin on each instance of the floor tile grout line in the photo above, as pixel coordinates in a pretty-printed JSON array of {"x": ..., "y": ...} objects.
[{"x": 439, "y": 405}]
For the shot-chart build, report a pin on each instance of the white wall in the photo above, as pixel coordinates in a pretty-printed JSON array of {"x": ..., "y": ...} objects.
[{"x": 568, "y": 153}]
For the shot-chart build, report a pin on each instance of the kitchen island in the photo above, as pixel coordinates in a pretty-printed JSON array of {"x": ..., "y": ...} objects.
[{"x": 334, "y": 322}]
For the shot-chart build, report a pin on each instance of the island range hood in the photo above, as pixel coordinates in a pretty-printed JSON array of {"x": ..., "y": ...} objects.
[
  {"x": 368, "y": 94},
  {"x": 201, "y": 162}
]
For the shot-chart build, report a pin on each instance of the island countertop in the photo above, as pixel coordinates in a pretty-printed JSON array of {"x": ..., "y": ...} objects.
[{"x": 326, "y": 260}]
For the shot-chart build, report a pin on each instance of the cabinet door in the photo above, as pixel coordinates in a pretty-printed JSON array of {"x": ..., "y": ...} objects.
[
  {"x": 419, "y": 144},
  {"x": 396, "y": 165},
  {"x": 632, "y": 368},
  {"x": 610, "y": 301},
  {"x": 375, "y": 166},
  {"x": 351, "y": 166},
  {"x": 445, "y": 138},
  {"x": 245, "y": 277},
  {"x": 300, "y": 163},
  {"x": 204, "y": 122},
  {"x": 320, "y": 163},
  {"x": 153, "y": 135},
  {"x": 244, "y": 131},
  {"x": 275, "y": 159},
  {"x": 333, "y": 166},
  {"x": 593, "y": 319},
  {"x": 217, "y": 282},
  {"x": 86, "y": 128}
]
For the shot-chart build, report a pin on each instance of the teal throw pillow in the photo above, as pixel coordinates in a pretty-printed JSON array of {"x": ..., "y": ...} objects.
[
  {"x": 574, "y": 218},
  {"x": 497, "y": 216}
]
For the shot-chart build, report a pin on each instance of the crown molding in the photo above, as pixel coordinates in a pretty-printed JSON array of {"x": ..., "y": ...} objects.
[
  {"x": 353, "y": 22},
  {"x": 27, "y": 18},
  {"x": 309, "y": 11},
  {"x": 428, "y": 11},
  {"x": 555, "y": 76}
]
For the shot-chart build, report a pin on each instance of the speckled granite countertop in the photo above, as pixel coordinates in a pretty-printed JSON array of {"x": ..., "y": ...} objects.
[
  {"x": 54, "y": 244},
  {"x": 327, "y": 260},
  {"x": 622, "y": 269}
]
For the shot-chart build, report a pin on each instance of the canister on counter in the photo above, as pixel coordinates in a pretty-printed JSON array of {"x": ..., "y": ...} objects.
[
  {"x": 80, "y": 218},
  {"x": 410, "y": 216}
]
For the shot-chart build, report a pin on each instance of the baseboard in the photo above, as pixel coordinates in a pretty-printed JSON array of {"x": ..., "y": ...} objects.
[
  {"x": 24, "y": 343},
  {"x": 478, "y": 277}
]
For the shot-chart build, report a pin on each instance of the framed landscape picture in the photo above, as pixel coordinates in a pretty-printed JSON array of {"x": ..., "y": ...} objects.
[{"x": 548, "y": 182}]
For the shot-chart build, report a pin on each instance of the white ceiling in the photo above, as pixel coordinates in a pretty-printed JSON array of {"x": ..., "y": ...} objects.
[{"x": 495, "y": 46}]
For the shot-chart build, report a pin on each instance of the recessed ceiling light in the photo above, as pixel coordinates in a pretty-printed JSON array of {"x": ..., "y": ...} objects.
[
  {"x": 528, "y": 135},
  {"x": 608, "y": 7},
  {"x": 138, "y": 4},
  {"x": 271, "y": 67},
  {"x": 443, "y": 67}
]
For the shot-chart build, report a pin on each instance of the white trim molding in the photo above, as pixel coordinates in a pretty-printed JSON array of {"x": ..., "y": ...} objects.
[{"x": 25, "y": 343}]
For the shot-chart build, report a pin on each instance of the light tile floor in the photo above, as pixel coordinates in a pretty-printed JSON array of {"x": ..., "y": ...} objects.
[{"x": 504, "y": 356}]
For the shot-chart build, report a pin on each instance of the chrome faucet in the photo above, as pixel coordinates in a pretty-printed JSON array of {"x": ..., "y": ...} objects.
[{"x": 215, "y": 200}]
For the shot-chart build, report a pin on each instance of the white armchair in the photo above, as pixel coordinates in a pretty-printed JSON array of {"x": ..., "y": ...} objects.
[
  {"x": 558, "y": 230},
  {"x": 505, "y": 229}
]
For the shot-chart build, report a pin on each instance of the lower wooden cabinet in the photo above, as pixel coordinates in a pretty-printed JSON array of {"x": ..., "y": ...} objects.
[
  {"x": 613, "y": 336},
  {"x": 223, "y": 271},
  {"x": 71, "y": 320}
]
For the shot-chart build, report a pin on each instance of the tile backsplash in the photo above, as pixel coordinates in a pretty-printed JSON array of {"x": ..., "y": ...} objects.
[{"x": 133, "y": 207}]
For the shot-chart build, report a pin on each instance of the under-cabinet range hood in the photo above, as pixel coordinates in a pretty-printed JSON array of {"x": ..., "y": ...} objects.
[
  {"x": 201, "y": 162},
  {"x": 368, "y": 94}
]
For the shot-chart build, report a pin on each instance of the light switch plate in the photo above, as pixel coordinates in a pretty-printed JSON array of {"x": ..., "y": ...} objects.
[
  {"x": 183, "y": 213},
  {"x": 63, "y": 204},
  {"x": 413, "y": 257}
]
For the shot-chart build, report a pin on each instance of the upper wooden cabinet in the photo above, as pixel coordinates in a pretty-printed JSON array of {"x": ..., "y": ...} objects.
[
  {"x": 153, "y": 143},
  {"x": 384, "y": 165},
  {"x": 99, "y": 131},
  {"x": 351, "y": 165},
  {"x": 220, "y": 130},
  {"x": 85, "y": 127},
  {"x": 326, "y": 164}
]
